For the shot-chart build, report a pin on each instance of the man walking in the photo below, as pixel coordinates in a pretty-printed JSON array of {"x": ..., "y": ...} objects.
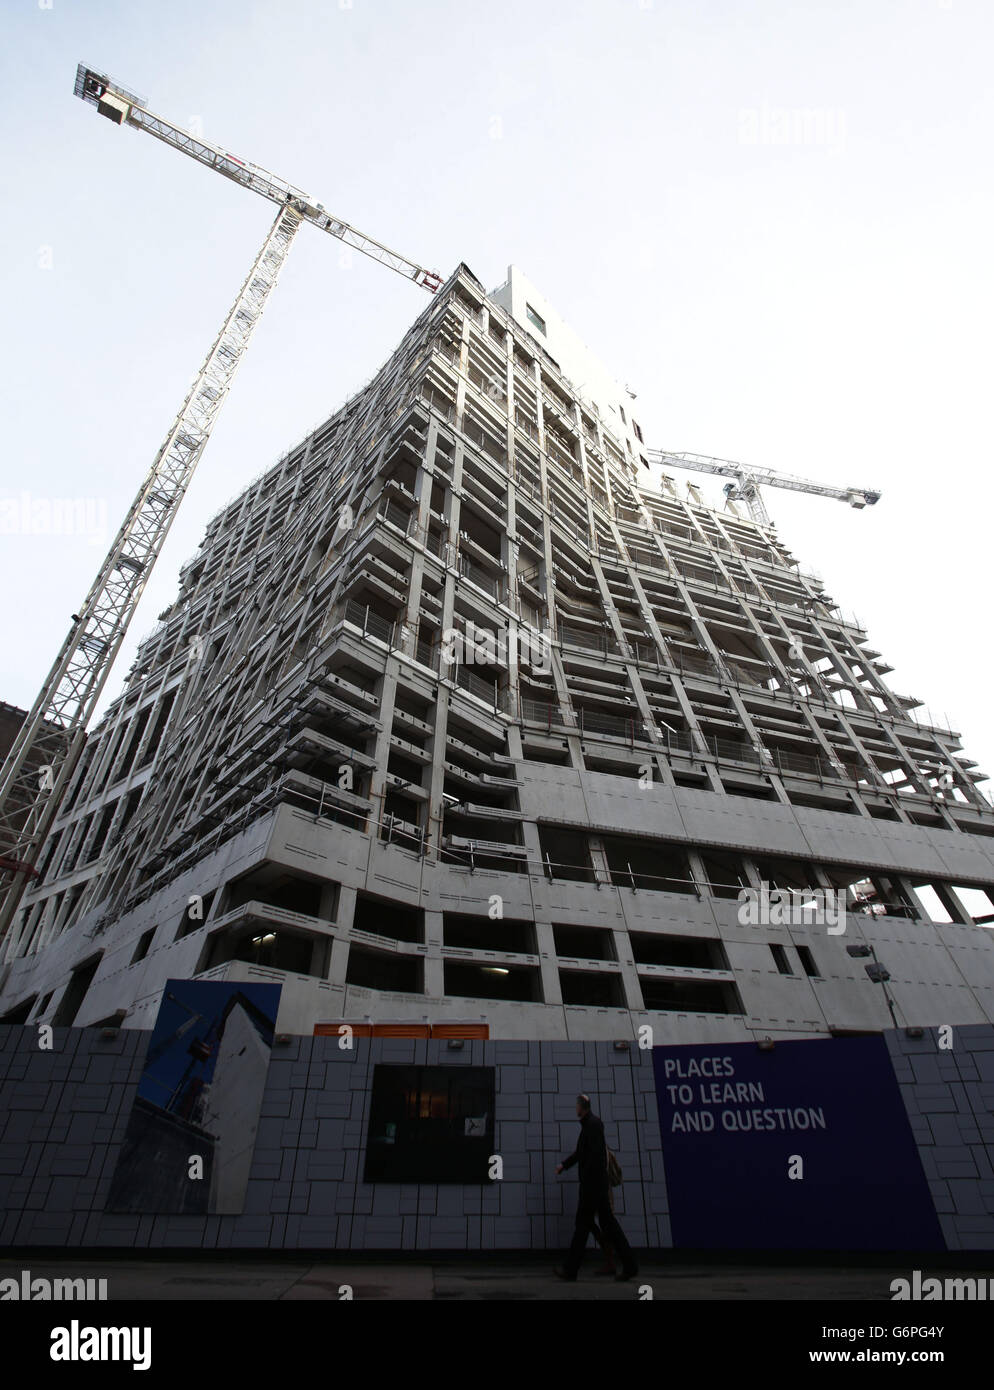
[{"x": 594, "y": 1204}]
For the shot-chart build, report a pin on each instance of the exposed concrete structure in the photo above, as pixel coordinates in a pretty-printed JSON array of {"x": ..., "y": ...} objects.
[{"x": 320, "y": 773}]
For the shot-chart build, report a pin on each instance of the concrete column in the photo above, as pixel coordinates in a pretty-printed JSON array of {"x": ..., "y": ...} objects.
[
  {"x": 434, "y": 971},
  {"x": 338, "y": 963},
  {"x": 630, "y": 983},
  {"x": 339, "y": 956},
  {"x": 551, "y": 988},
  {"x": 598, "y": 859},
  {"x": 698, "y": 873},
  {"x": 953, "y": 903},
  {"x": 913, "y": 897},
  {"x": 327, "y": 904}
]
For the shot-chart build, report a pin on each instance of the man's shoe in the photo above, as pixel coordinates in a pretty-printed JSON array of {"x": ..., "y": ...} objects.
[
  {"x": 562, "y": 1274},
  {"x": 626, "y": 1274}
]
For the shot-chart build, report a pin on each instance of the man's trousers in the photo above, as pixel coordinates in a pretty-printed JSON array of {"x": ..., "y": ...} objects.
[{"x": 595, "y": 1205}]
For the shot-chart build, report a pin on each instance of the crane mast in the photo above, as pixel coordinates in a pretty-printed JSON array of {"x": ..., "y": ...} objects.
[
  {"x": 37, "y": 770},
  {"x": 747, "y": 480}
]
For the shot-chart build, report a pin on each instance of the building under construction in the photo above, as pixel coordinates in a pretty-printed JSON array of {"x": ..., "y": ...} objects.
[{"x": 465, "y": 716}]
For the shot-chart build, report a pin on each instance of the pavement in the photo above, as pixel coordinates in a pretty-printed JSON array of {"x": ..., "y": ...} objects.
[{"x": 265, "y": 1278}]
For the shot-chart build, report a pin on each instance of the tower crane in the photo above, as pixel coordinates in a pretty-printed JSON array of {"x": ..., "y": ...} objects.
[
  {"x": 157, "y": 1051},
  {"x": 37, "y": 770},
  {"x": 746, "y": 482}
]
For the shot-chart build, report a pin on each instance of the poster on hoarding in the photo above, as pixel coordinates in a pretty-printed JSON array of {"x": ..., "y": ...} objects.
[
  {"x": 806, "y": 1145},
  {"x": 190, "y": 1137}
]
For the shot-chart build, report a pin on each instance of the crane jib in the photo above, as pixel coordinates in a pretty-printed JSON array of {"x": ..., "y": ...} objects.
[
  {"x": 124, "y": 108},
  {"x": 747, "y": 481}
]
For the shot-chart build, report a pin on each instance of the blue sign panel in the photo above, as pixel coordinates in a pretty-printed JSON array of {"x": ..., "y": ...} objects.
[{"x": 805, "y": 1146}]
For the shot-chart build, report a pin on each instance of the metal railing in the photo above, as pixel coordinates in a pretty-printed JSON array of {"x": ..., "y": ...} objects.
[
  {"x": 489, "y": 387},
  {"x": 649, "y": 560},
  {"x": 448, "y": 351},
  {"x": 561, "y": 455},
  {"x": 544, "y": 712},
  {"x": 427, "y": 653},
  {"x": 438, "y": 403},
  {"x": 394, "y": 513},
  {"x": 372, "y": 623},
  {"x": 646, "y": 654},
  {"x": 582, "y": 639},
  {"x": 787, "y": 760},
  {"x": 611, "y": 725},
  {"x": 490, "y": 446},
  {"x": 689, "y": 663},
  {"x": 434, "y": 544},
  {"x": 476, "y": 685},
  {"x": 527, "y": 534},
  {"x": 731, "y": 750},
  {"x": 677, "y": 740},
  {"x": 583, "y": 721},
  {"x": 697, "y": 574},
  {"x": 490, "y": 583},
  {"x": 531, "y": 487}
]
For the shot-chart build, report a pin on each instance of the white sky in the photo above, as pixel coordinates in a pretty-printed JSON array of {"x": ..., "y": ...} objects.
[{"x": 772, "y": 218}]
